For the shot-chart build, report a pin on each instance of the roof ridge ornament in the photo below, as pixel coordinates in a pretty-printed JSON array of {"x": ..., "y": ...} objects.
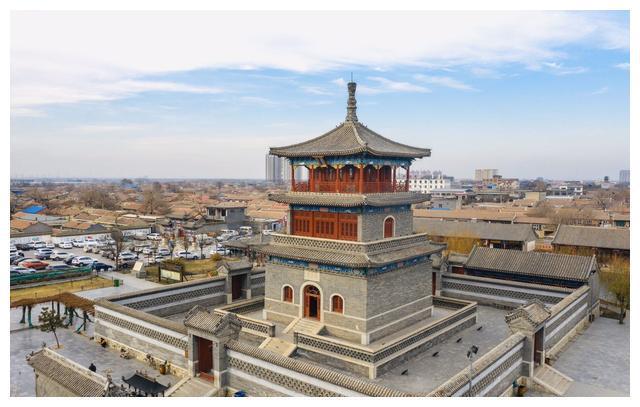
[{"x": 351, "y": 103}]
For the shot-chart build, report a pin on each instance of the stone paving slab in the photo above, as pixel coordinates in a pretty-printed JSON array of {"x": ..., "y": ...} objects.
[
  {"x": 598, "y": 359},
  {"x": 76, "y": 347}
]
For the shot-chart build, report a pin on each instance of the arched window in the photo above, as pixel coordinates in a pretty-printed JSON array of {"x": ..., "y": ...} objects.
[
  {"x": 337, "y": 304},
  {"x": 389, "y": 227},
  {"x": 287, "y": 294}
]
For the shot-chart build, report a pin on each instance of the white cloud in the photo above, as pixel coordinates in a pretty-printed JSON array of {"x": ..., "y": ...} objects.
[
  {"x": 602, "y": 90},
  {"x": 446, "y": 81},
  {"x": 258, "y": 100},
  {"x": 316, "y": 90},
  {"x": 558, "y": 68},
  {"x": 482, "y": 72},
  {"x": 387, "y": 85},
  {"x": 52, "y": 63},
  {"x": 624, "y": 66}
]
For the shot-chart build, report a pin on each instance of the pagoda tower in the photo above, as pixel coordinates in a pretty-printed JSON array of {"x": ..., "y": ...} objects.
[{"x": 349, "y": 263}]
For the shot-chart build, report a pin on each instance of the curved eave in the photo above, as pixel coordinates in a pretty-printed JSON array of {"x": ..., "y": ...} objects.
[
  {"x": 281, "y": 152},
  {"x": 348, "y": 200}
]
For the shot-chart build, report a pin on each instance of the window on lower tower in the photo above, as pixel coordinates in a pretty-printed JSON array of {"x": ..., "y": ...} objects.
[
  {"x": 287, "y": 294},
  {"x": 389, "y": 227},
  {"x": 337, "y": 304}
]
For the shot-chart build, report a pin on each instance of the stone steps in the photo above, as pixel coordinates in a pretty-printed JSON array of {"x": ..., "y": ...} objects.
[
  {"x": 278, "y": 346},
  {"x": 552, "y": 380},
  {"x": 304, "y": 326},
  {"x": 193, "y": 387}
]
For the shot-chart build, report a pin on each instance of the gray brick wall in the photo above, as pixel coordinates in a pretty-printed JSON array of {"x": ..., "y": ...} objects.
[{"x": 371, "y": 225}]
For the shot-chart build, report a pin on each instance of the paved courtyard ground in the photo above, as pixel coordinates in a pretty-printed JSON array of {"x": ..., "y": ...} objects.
[
  {"x": 598, "y": 360},
  {"x": 426, "y": 372},
  {"x": 76, "y": 347}
]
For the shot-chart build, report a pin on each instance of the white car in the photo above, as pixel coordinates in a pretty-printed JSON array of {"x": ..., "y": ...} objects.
[
  {"x": 164, "y": 252},
  {"x": 127, "y": 256},
  {"x": 65, "y": 245},
  {"x": 50, "y": 246},
  {"x": 77, "y": 243},
  {"x": 82, "y": 261},
  {"x": 187, "y": 255},
  {"x": 267, "y": 232},
  {"x": 22, "y": 270},
  {"x": 154, "y": 236},
  {"x": 58, "y": 255},
  {"x": 39, "y": 245},
  {"x": 89, "y": 246}
]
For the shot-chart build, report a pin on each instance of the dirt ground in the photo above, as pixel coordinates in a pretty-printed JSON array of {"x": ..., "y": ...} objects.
[{"x": 57, "y": 288}]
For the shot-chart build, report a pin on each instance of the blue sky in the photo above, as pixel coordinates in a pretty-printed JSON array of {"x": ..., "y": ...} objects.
[{"x": 531, "y": 93}]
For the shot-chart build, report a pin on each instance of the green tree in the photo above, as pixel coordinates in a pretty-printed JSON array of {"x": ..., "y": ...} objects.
[
  {"x": 50, "y": 321},
  {"x": 618, "y": 282}
]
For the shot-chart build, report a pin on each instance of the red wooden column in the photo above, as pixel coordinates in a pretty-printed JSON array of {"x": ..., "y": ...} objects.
[
  {"x": 361, "y": 178},
  {"x": 293, "y": 177},
  {"x": 406, "y": 181},
  {"x": 378, "y": 186},
  {"x": 337, "y": 177},
  {"x": 312, "y": 178},
  {"x": 394, "y": 179}
]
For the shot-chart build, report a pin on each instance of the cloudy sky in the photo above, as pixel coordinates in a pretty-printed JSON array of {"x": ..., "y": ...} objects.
[{"x": 204, "y": 94}]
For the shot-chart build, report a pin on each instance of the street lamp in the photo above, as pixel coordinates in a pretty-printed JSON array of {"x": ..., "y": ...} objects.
[{"x": 471, "y": 353}]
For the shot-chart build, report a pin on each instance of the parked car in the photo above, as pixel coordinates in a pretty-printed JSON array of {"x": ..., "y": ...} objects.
[
  {"x": 65, "y": 245},
  {"x": 154, "y": 236},
  {"x": 69, "y": 258},
  {"x": 163, "y": 251},
  {"x": 187, "y": 255},
  {"x": 77, "y": 242},
  {"x": 267, "y": 232},
  {"x": 34, "y": 264},
  {"x": 39, "y": 245},
  {"x": 17, "y": 259},
  {"x": 82, "y": 261},
  {"x": 59, "y": 267},
  {"x": 246, "y": 230},
  {"x": 43, "y": 254},
  {"x": 89, "y": 246},
  {"x": 50, "y": 246},
  {"x": 99, "y": 266},
  {"x": 24, "y": 246},
  {"x": 22, "y": 270},
  {"x": 59, "y": 255},
  {"x": 127, "y": 256}
]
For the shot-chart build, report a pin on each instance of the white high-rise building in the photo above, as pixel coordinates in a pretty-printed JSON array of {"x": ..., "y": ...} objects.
[
  {"x": 278, "y": 169},
  {"x": 485, "y": 173},
  {"x": 625, "y": 177}
]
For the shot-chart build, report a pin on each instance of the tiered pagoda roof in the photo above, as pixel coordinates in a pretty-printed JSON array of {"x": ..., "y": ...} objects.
[{"x": 350, "y": 138}]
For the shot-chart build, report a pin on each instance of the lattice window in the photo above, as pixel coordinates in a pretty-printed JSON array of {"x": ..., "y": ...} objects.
[{"x": 348, "y": 226}]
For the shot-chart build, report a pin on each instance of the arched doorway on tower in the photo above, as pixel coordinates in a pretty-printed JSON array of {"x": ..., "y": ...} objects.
[{"x": 312, "y": 302}]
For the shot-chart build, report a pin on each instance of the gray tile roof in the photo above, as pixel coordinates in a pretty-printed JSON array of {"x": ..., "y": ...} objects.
[
  {"x": 476, "y": 230},
  {"x": 351, "y": 254},
  {"x": 587, "y": 236},
  {"x": 535, "y": 313},
  {"x": 349, "y": 200},
  {"x": 349, "y": 138},
  {"x": 77, "y": 379},
  {"x": 200, "y": 318},
  {"x": 551, "y": 265},
  {"x": 361, "y": 386}
]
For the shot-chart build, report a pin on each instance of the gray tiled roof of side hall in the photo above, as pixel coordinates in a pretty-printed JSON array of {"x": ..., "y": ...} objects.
[
  {"x": 552, "y": 265},
  {"x": 476, "y": 230},
  {"x": 588, "y": 236}
]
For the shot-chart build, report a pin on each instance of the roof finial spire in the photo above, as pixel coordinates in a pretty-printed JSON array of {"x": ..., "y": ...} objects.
[{"x": 351, "y": 102}]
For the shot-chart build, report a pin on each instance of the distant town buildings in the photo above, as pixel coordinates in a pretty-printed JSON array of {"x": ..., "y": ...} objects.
[
  {"x": 482, "y": 174},
  {"x": 426, "y": 185},
  {"x": 569, "y": 189}
]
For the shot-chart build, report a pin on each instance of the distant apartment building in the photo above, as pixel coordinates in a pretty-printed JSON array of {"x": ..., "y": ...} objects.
[
  {"x": 625, "y": 177},
  {"x": 571, "y": 189},
  {"x": 498, "y": 183},
  {"x": 485, "y": 173},
  {"x": 427, "y": 185},
  {"x": 278, "y": 170}
]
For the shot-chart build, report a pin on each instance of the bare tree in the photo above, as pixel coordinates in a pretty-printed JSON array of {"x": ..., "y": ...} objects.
[
  {"x": 201, "y": 241},
  {"x": 50, "y": 321},
  {"x": 618, "y": 282}
]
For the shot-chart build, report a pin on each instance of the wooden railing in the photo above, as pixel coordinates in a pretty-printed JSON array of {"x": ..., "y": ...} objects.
[{"x": 350, "y": 187}]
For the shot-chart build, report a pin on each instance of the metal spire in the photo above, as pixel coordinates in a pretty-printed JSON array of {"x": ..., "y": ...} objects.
[{"x": 351, "y": 102}]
